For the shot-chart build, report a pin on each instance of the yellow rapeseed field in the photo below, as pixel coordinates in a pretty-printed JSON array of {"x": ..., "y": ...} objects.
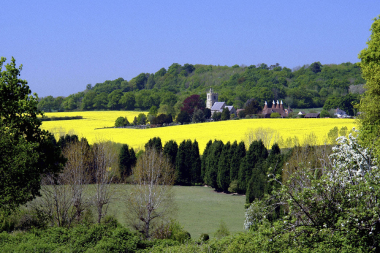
[{"x": 223, "y": 130}]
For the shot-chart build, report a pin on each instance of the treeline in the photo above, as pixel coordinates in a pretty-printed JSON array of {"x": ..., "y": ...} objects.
[
  {"x": 225, "y": 167},
  {"x": 303, "y": 87}
]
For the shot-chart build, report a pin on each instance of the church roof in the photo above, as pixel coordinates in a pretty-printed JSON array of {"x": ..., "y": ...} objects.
[{"x": 218, "y": 106}]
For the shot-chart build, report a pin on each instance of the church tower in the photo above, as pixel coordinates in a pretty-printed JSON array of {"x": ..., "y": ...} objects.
[{"x": 211, "y": 98}]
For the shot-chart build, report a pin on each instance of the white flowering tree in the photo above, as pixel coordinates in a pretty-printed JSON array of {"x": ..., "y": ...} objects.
[{"x": 342, "y": 198}]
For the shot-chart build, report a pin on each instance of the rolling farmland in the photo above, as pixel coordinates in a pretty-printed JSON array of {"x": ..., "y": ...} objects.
[{"x": 230, "y": 130}]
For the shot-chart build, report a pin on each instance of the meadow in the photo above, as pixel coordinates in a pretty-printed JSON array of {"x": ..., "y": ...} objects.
[
  {"x": 199, "y": 209},
  {"x": 93, "y": 121}
]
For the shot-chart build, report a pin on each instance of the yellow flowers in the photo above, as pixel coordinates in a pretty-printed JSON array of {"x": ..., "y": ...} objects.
[{"x": 230, "y": 130}]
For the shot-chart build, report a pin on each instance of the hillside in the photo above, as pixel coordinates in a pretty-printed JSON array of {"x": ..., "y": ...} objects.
[{"x": 303, "y": 87}]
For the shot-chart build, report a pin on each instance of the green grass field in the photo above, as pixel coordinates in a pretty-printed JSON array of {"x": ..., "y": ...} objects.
[{"x": 200, "y": 209}]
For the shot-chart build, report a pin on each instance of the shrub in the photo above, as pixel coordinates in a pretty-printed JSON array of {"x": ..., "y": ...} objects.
[
  {"x": 217, "y": 116},
  {"x": 121, "y": 121},
  {"x": 204, "y": 237},
  {"x": 225, "y": 114},
  {"x": 222, "y": 230},
  {"x": 241, "y": 114},
  {"x": 198, "y": 116},
  {"x": 324, "y": 114},
  {"x": 275, "y": 115}
]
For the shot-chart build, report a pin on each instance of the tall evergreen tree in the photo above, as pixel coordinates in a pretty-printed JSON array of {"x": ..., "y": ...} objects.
[
  {"x": 223, "y": 177},
  {"x": 195, "y": 164},
  {"x": 212, "y": 164},
  {"x": 182, "y": 163},
  {"x": 204, "y": 159},
  {"x": 256, "y": 153},
  {"x": 170, "y": 150},
  {"x": 127, "y": 159},
  {"x": 154, "y": 143},
  {"x": 237, "y": 157}
]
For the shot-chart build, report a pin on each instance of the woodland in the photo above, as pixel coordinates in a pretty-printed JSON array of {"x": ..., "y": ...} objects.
[{"x": 309, "y": 86}]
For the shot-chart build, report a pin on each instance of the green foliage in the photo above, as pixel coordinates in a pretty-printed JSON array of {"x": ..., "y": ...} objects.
[
  {"x": 204, "y": 237},
  {"x": 324, "y": 114},
  {"x": 127, "y": 159},
  {"x": 223, "y": 177},
  {"x": 222, "y": 230},
  {"x": 212, "y": 162},
  {"x": 183, "y": 117},
  {"x": 369, "y": 106},
  {"x": 121, "y": 122},
  {"x": 216, "y": 116},
  {"x": 26, "y": 151},
  {"x": 275, "y": 115},
  {"x": 225, "y": 114},
  {"x": 141, "y": 119},
  {"x": 198, "y": 116},
  {"x": 252, "y": 106},
  {"x": 305, "y": 87},
  {"x": 241, "y": 114},
  {"x": 170, "y": 150},
  {"x": 154, "y": 142}
]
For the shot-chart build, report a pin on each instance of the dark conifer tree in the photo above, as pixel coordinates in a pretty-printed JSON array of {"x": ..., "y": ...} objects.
[
  {"x": 204, "y": 159},
  {"x": 237, "y": 157},
  {"x": 65, "y": 140},
  {"x": 223, "y": 177},
  {"x": 195, "y": 164},
  {"x": 154, "y": 143},
  {"x": 257, "y": 186},
  {"x": 212, "y": 163},
  {"x": 188, "y": 162},
  {"x": 127, "y": 160},
  {"x": 182, "y": 163},
  {"x": 256, "y": 154},
  {"x": 170, "y": 150}
]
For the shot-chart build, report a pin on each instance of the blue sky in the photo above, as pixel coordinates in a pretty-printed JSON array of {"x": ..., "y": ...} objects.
[{"x": 65, "y": 45}]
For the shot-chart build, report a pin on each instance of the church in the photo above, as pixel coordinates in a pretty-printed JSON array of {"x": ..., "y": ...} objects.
[{"x": 215, "y": 106}]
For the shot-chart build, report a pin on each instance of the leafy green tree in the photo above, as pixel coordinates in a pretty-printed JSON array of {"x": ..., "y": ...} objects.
[
  {"x": 26, "y": 151},
  {"x": 216, "y": 116},
  {"x": 324, "y": 113},
  {"x": 101, "y": 101},
  {"x": 113, "y": 100},
  {"x": 121, "y": 121},
  {"x": 252, "y": 106},
  {"x": 153, "y": 110},
  {"x": 141, "y": 119},
  {"x": 88, "y": 100},
  {"x": 127, "y": 101},
  {"x": 207, "y": 113},
  {"x": 198, "y": 116},
  {"x": 225, "y": 114},
  {"x": 183, "y": 117},
  {"x": 316, "y": 67}
]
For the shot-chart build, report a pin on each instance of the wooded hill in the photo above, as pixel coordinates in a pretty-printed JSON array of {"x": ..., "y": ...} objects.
[{"x": 308, "y": 86}]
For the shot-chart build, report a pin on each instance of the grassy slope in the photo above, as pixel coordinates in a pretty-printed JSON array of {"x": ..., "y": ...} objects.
[{"x": 200, "y": 209}]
